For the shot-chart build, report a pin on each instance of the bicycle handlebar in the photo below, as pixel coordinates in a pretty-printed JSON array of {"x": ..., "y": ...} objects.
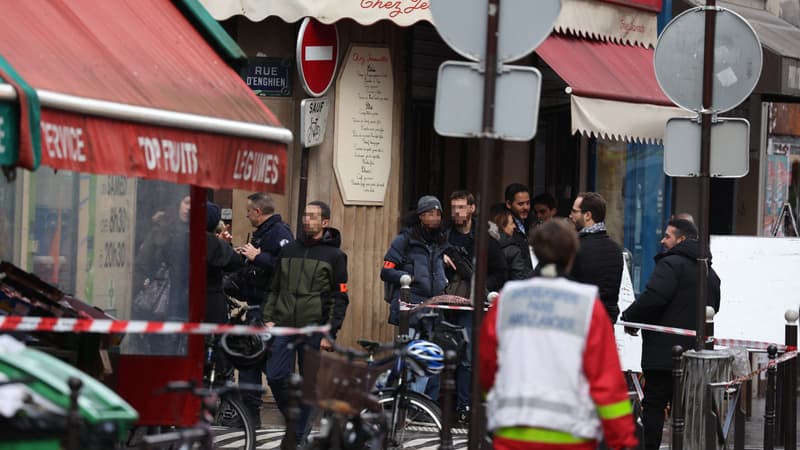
[{"x": 202, "y": 392}]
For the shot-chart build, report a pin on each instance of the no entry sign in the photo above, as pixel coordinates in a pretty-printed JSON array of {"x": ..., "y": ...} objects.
[{"x": 317, "y": 55}]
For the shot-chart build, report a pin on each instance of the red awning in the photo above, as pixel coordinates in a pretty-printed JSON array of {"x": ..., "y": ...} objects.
[
  {"x": 132, "y": 88},
  {"x": 603, "y": 69},
  {"x": 613, "y": 87}
]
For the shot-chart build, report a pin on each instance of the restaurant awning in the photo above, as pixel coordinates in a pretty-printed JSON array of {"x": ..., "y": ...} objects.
[
  {"x": 613, "y": 87},
  {"x": 133, "y": 88}
]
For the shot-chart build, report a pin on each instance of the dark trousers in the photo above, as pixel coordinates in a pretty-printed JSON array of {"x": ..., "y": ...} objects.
[
  {"x": 464, "y": 369},
  {"x": 252, "y": 399},
  {"x": 280, "y": 366},
  {"x": 657, "y": 393}
]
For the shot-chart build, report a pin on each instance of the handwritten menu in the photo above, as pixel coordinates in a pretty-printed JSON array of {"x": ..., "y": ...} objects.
[{"x": 364, "y": 106}]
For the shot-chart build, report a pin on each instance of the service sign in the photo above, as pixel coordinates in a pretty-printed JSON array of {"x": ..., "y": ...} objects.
[
  {"x": 270, "y": 76},
  {"x": 313, "y": 120}
]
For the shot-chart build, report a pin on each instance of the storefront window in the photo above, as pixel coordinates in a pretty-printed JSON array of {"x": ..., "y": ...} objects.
[
  {"x": 104, "y": 239},
  {"x": 782, "y": 171},
  {"x": 631, "y": 178}
]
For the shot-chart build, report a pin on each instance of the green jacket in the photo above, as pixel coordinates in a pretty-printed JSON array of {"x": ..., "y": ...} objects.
[{"x": 309, "y": 285}]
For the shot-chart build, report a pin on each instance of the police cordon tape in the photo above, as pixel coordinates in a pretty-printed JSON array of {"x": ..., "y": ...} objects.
[
  {"x": 783, "y": 358},
  {"x": 724, "y": 342},
  {"x": 70, "y": 325}
]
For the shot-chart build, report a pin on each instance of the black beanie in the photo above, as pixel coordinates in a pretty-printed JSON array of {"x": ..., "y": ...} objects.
[{"x": 213, "y": 214}]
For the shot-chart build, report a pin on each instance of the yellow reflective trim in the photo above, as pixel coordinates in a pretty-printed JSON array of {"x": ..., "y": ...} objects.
[
  {"x": 538, "y": 435},
  {"x": 614, "y": 410}
]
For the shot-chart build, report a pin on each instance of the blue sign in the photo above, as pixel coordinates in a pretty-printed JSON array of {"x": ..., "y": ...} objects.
[{"x": 270, "y": 76}]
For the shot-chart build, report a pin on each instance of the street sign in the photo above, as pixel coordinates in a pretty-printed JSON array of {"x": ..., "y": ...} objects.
[
  {"x": 313, "y": 120},
  {"x": 524, "y": 24},
  {"x": 730, "y": 138},
  {"x": 678, "y": 60},
  {"x": 269, "y": 76},
  {"x": 459, "y": 101},
  {"x": 317, "y": 56}
]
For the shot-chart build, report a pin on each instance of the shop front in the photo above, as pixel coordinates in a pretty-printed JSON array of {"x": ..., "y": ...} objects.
[{"x": 115, "y": 121}]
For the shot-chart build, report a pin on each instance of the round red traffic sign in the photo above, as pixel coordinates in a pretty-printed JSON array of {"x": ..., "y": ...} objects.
[{"x": 317, "y": 55}]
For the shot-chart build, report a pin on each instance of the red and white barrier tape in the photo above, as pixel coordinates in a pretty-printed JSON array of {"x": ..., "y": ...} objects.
[
  {"x": 785, "y": 357},
  {"x": 725, "y": 342},
  {"x": 651, "y": 327},
  {"x": 68, "y": 325}
]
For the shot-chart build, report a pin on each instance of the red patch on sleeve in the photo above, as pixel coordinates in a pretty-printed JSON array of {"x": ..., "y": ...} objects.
[
  {"x": 343, "y": 287},
  {"x": 389, "y": 265}
]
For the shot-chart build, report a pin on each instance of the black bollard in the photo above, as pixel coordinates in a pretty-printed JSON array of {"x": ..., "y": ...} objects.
[
  {"x": 405, "y": 297},
  {"x": 790, "y": 383},
  {"x": 710, "y": 328},
  {"x": 73, "y": 416},
  {"x": 448, "y": 393},
  {"x": 769, "y": 413},
  {"x": 678, "y": 421},
  {"x": 292, "y": 412}
]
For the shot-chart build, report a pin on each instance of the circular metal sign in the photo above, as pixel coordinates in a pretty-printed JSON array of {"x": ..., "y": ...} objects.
[
  {"x": 522, "y": 26},
  {"x": 678, "y": 60},
  {"x": 317, "y": 55}
]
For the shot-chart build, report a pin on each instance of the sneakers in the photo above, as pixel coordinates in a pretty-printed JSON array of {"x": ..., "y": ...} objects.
[{"x": 462, "y": 415}]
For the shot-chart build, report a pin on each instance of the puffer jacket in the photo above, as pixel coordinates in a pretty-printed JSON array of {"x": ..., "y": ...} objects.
[
  {"x": 670, "y": 300},
  {"x": 424, "y": 261},
  {"x": 310, "y": 284}
]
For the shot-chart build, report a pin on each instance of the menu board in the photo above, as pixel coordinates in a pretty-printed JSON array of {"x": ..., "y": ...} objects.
[{"x": 363, "y": 143}]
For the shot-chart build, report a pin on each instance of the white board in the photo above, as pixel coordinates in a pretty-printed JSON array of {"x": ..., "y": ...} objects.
[{"x": 760, "y": 281}]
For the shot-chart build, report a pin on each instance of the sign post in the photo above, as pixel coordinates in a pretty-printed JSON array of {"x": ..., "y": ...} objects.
[
  {"x": 727, "y": 78},
  {"x": 481, "y": 31},
  {"x": 317, "y": 61}
]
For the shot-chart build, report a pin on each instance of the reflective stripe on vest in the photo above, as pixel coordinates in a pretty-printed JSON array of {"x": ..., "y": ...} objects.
[{"x": 538, "y": 435}]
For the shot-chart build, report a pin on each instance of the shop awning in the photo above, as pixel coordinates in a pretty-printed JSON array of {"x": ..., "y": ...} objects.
[
  {"x": 133, "y": 88},
  {"x": 613, "y": 87}
]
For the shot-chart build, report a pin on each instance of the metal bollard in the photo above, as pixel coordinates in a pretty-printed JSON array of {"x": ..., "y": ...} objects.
[
  {"x": 790, "y": 383},
  {"x": 405, "y": 297},
  {"x": 677, "y": 398},
  {"x": 710, "y": 327},
  {"x": 293, "y": 411},
  {"x": 448, "y": 392},
  {"x": 769, "y": 413},
  {"x": 73, "y": 416}
]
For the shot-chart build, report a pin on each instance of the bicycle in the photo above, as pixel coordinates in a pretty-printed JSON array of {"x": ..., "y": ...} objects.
[{"x": 206, "y": 434}]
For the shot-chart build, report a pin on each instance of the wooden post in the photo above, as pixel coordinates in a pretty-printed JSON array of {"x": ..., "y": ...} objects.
[
  {"x": 448, "y": 391},
  {"x": 769, "y": 413},
  {"x": 677, "y": 398}
]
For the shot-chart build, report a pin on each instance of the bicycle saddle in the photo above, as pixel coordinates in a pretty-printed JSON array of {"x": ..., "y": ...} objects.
[{"x": 369, "y": 346}]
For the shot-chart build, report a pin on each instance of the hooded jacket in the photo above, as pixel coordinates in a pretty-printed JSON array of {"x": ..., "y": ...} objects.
[
  {"x": 310, "y": 284},
  {"x": 669, "y": 300}
]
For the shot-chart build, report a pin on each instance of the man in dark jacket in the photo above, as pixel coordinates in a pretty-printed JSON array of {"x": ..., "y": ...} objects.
[
  {"x": 220, "y": 258},
  {"x": 599, "y": 259},
  {"x": 250, "y": 283},
  {"x": 518, "y": 201},
  {"x": 309, "y": 287},
  {"x": 668, "y": 300}
]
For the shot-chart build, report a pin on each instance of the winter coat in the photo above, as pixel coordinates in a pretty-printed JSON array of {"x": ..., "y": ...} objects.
[
  {"x": 521, "y": 241},
  {"x": 220, "y": 258},
  {"x": 515, "y": 262},
  {"x": 310, "y": 284},
  {"x": 459, "y": 281},
  {"x": 669, "y": 300},
  {"x": 253, "y": 279},
  {"x": 599, "y": 262},
  {"x": 409, "y": 254}
]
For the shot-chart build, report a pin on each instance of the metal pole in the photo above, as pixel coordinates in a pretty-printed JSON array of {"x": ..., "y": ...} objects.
[
  {"x": 769, "y": 412},
  {"x": 405, "y": 298},
  {"x": 293, "y": 410},
  {"x": 678, "y": 421},
  {"x": 738, "y": 424},
  {"x": 704, "y": 190},
  {"x": 448, "y": 391},
  {"x": 476, "y": 422},
  {"x": 73, "y": 421},
  {"x": 302, "y": 192},
  {"x": 790, "y": 383},
  {"x": 711, "y": 420}
]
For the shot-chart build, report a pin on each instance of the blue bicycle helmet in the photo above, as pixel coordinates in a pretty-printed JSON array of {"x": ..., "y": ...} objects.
[{"x": 427, "y": 354}]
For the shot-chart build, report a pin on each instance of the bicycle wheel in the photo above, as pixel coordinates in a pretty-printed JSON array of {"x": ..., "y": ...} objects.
[
  {"x": 418, "y": 418},
  {"x": 232, "y": 426}
]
